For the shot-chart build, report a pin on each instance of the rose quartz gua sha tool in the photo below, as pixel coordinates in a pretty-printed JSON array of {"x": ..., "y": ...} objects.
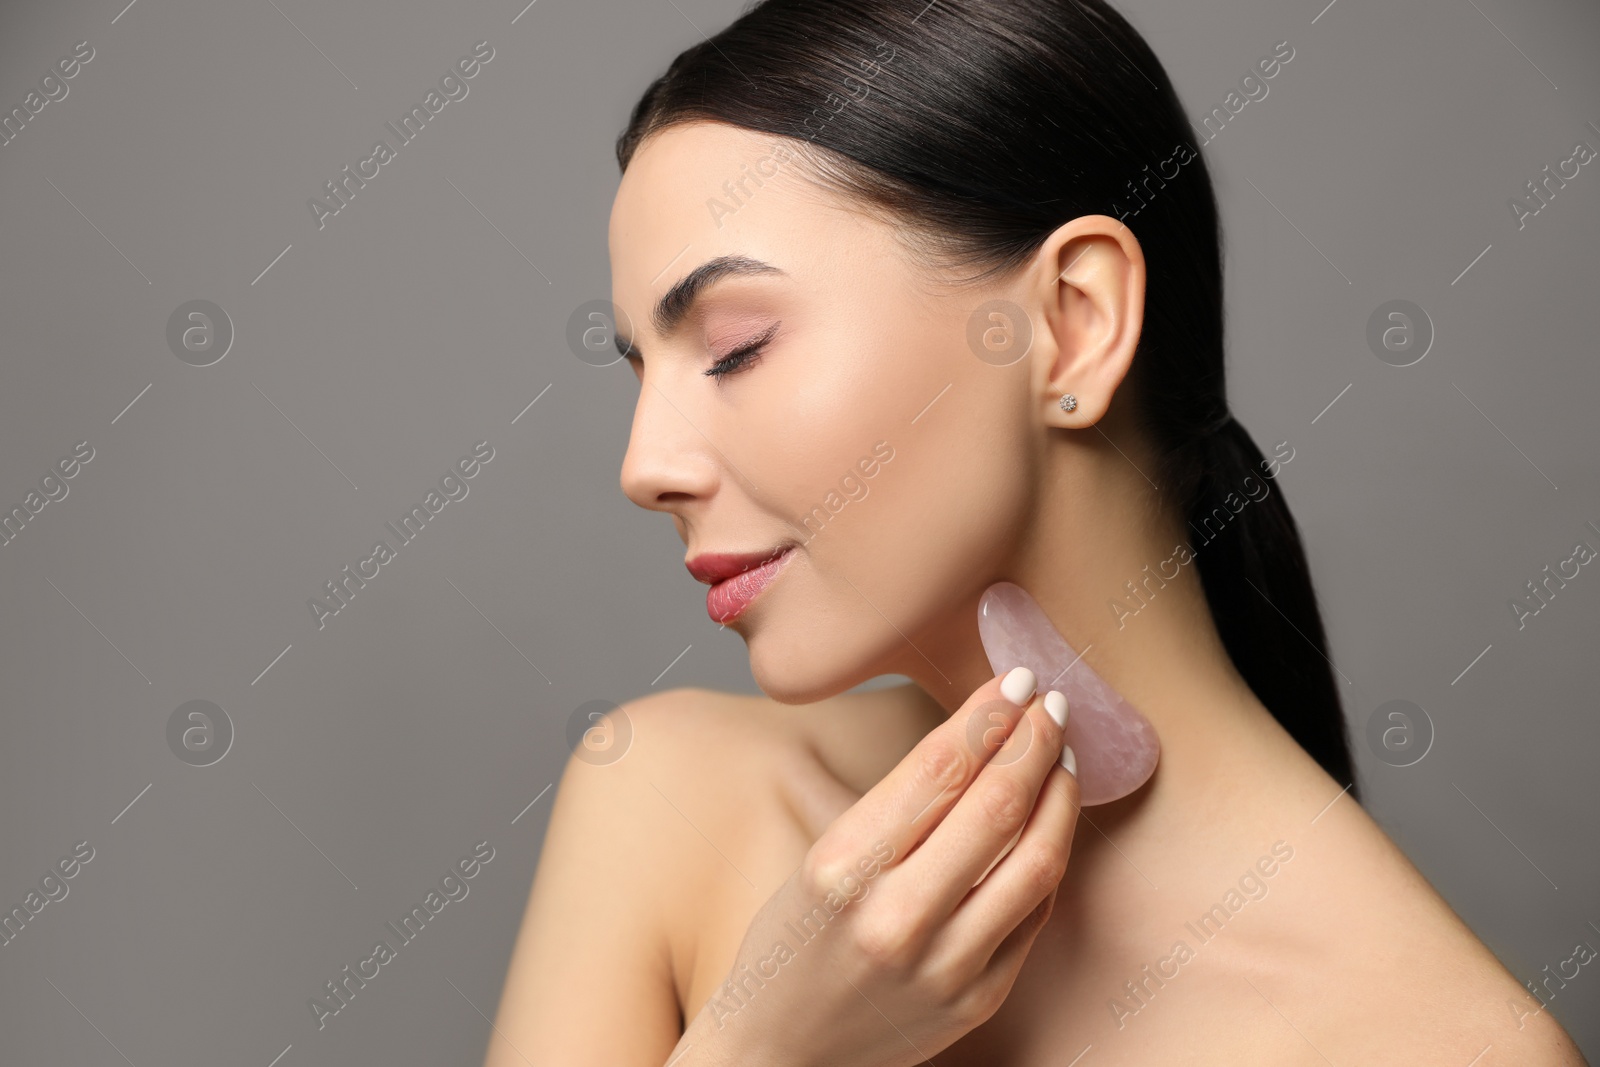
[{"x": 1116, "y": 747}]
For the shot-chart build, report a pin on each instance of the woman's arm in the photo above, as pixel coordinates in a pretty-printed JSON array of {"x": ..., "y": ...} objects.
[{"x": 590, "y": 979}]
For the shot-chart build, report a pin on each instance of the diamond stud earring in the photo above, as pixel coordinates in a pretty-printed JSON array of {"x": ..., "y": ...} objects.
[{"x": 1069, "y": 403}]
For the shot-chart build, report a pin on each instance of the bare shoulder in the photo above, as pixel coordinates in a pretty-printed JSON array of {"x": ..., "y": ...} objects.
[
  {"x": 1387, "y": 971},
  {"x": 717, "y": 744},
  {"x": 704, "y": 779},
  {"x": 653, "y": 798},
  {"x": 693, "y": 723},
  {"x": 677, "y": 815},
  {"x": 752, "y": 779},
  {"x": 736, "y": 788}
]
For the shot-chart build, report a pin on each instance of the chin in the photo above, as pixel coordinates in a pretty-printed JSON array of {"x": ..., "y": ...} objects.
[
  {"x": 792, "y": 679},
  {"x": 807, "y": 644},
  {"x": 793, "y": 663}
]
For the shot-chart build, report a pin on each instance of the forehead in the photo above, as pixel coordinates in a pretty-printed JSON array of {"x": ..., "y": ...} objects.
[
  {"x": 704, "y": 189},
  {"x": 675, "y": 175}
]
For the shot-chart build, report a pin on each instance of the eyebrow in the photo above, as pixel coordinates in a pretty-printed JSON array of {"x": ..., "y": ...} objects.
[{"x": 675, "y": 306}]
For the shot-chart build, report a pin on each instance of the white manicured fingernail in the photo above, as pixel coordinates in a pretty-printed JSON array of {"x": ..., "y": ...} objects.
[
  {"x": 1018, "y": 685},
  {"x": 1069, "y": 761},
  {"x": 1055, "y": 702}
]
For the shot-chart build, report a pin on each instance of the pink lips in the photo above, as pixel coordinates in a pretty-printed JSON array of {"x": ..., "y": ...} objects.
[{"x": 735, "y": 579}]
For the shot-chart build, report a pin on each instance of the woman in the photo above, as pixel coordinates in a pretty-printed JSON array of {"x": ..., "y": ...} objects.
[{"x": 924, "y": 297}]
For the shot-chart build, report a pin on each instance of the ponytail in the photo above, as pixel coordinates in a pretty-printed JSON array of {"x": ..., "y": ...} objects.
[{"x": 1257, "y": 581}]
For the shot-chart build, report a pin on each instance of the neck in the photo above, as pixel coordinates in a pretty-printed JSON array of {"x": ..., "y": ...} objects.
[{"x": 1101, "y": 556}]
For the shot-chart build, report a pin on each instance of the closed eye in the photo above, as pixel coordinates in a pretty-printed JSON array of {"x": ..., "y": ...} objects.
[{"x": 742, "y": 355}]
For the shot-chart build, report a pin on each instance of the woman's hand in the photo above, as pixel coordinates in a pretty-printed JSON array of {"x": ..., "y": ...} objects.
[{"x": 880, "y": 950}]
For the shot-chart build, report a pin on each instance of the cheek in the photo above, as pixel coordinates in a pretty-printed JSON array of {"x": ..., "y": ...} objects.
[
  {"x": 937, "y": 527},
  {"x": 823, "y": 406},
  {"x": 937, "y": 522},
  {"x": 946, "y": 510}
]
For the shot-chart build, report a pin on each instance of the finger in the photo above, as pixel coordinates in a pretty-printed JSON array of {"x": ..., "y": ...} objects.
[
  {"x": 980, "y": 933},
  {"x": 902, "y": 808},
  {"x": 982, "y": 823},
  {"x": 998, "y": 973},
  {"x": 1005, "y": 962}
]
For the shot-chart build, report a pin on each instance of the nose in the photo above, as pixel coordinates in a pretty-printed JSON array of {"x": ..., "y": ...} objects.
[{"x": 668, "y": 462}]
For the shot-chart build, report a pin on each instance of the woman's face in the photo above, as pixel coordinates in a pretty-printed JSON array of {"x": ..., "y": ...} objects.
[{"x": 866, "y": 437}]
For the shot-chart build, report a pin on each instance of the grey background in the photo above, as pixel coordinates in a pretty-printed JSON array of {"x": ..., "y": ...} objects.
[{"x": 432, "y": 712}]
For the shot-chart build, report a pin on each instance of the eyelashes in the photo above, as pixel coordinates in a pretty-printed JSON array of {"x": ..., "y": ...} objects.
[{"x": 743, "y": 355}]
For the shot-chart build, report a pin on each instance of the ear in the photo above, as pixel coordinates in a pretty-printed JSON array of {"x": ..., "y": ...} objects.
[{"x": 1087, "y": 284}]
